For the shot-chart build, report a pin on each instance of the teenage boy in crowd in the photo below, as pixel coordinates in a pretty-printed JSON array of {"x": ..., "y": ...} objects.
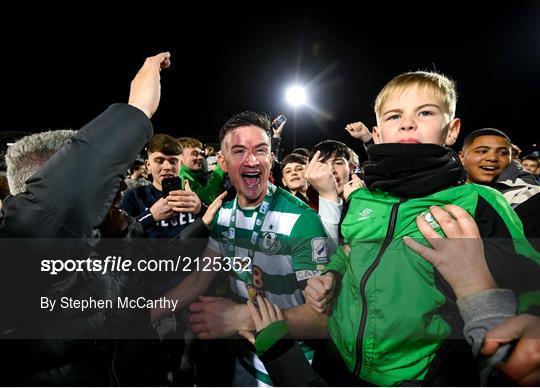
[
  {"x": 394, "y": 317},
  {"x": 531, "y": 163},
  {"x": 488, "y": 158},
  {"x": 208, "y": 186},
  {"x": 328, "y": 172},
  {"x": 157, "y": 214},
  {"x": 292, "y": 171}
]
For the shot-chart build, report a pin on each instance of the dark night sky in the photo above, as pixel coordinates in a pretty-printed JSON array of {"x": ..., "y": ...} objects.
[{"x": 65, "y": 70}]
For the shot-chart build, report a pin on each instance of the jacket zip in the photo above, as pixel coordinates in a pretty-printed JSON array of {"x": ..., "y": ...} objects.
[{"x": 363, "y": 282}]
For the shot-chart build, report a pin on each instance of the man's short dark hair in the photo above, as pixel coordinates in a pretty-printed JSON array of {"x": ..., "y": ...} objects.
[
  {"x": 137, "y": 164},
  {"x": 246, "y": 118},
  {"x": 301, "y": 151},
  {"x": 331, "y": 148},
  {"x": 485, "y": 132},
  {"x": 165, "y": 144},
  {"x": 293, "y": 158}
]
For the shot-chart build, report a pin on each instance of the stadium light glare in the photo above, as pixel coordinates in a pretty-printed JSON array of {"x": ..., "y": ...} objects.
[{"x": 296, "y": 96}]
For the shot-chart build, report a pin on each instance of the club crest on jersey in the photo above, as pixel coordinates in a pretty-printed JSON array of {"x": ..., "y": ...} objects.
[{"x": 269, "y": 243}]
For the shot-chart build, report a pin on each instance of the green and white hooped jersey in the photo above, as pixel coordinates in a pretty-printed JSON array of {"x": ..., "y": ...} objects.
[{"x": 291, "y": 248}]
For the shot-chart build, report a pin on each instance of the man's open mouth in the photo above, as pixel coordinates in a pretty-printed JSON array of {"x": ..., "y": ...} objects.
[{"x": 251, "y": 178}]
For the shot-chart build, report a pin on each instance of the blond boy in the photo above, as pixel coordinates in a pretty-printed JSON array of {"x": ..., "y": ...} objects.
[{"x": 395, "y": 319}]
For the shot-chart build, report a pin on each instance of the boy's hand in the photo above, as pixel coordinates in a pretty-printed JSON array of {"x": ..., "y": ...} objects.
[
  {"x": 523, "y": 365},
  {"x": 319, "y": 293},
  {"x": 359, "y": 131},
  {"x": 264, "y": 315},
  {"x": 184, "y": 201},
  {"x": 161, "y": 210},
  {"x": 321, "y": 177},
  {"x": 145, "y": 88},
  {"x": 459, "y": 257}
]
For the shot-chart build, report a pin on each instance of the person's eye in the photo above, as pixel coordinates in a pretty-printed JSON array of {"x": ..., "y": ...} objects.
[
  {"x": 261, "y": 151},
  {"x": 426, "y": 113},
  {"x": 393, "y": 117}
]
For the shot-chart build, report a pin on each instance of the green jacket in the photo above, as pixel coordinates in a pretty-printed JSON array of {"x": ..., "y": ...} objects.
[
  {"x": 207, "y": 191},
  {"x": 394, "y": 310}
]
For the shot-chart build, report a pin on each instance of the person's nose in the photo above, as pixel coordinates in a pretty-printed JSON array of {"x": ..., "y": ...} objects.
[
  {"x": 492, "y": 156},
  {"x": 251, "y": 159},
  {"x": 167, "y": 165},
  {"x": 408, "y": 123}
]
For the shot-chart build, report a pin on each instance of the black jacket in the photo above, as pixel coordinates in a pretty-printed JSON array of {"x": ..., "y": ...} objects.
[{"x": 55, "y": 218}]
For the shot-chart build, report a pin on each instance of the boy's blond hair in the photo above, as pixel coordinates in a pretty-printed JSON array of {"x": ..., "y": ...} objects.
[{"x": 442, "y": 87}]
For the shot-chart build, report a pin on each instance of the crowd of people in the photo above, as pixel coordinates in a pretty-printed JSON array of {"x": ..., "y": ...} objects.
[{"x": 417, "y": 266}]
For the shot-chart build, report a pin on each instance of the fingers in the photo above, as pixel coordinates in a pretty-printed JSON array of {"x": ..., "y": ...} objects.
[
  {"x": 328, "y": 281},
  {"x": 279, "y": 314},
  {"x": 312, "y": 162},
  {"x": 317, "y": 284},
  {"x": 316, "y": 302},
  {"x": 196, "y": 307},
  {"x": 254, "y": 312},
  {"x": 196, "y": 318},
  {"x": 447, "y": 223},
  {"x": 504, "y": 333},
  {"x": 427, "y": 253},
  {"x": 164, "y": 59},
  {"x": 203, "y": 298},
  {"x": 523, "y": 361},
  {"x": 247, "y": 335},
  {"x": 199, "y": 328},
  {"x": 317, "y": 305},
  {"x": 271, "y": 311},
  {"x": 428, "y": 232},
  {"x": 467, "y": 224},
  {"x": 186, "y": 186},
  {"x": 263, "y": 308},
  {"x": 216, "y": 204}
]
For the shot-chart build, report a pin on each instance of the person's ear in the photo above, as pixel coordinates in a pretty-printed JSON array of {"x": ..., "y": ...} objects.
[
  {"x": 453, "y": 131},
  {"x": 222, "y": 163},
  {"x": 376, "y": 135},
  {"x": 461, "y": 156}
]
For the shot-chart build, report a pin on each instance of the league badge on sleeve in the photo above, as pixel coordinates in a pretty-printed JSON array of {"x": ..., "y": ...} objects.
[{"x": 319, "y": 251}]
